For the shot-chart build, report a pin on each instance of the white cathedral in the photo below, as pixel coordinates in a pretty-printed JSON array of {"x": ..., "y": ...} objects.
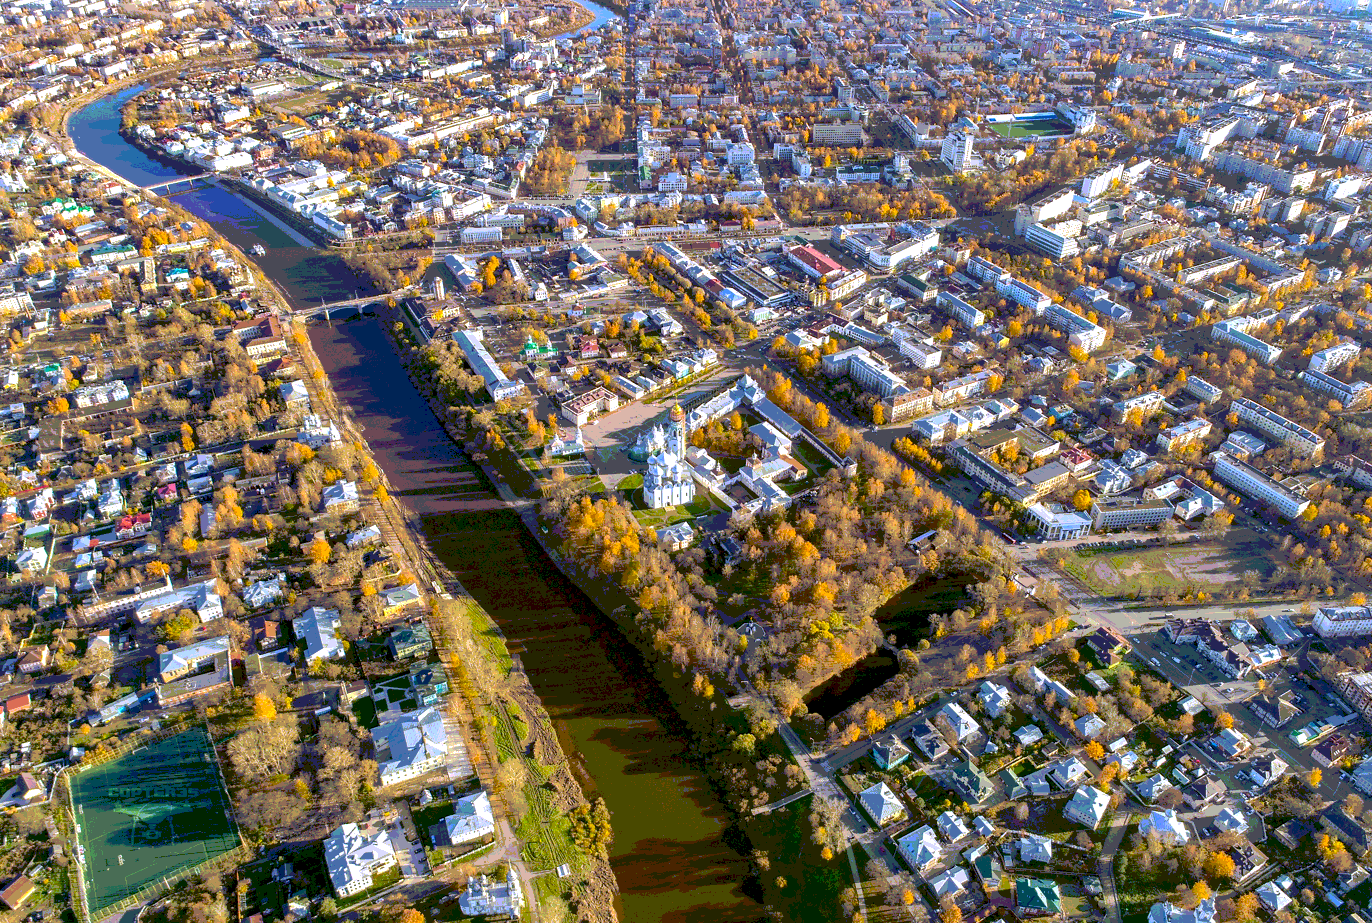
[{"x": 668, "y": 481}]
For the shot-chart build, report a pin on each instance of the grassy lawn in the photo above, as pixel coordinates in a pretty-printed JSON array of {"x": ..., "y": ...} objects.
[
  {"x": 1159, "y": 570},
  {"x": 546, "y": 832},
  {"x": 379, "y": 883},
  {"x": 702, "y": 505},
  {"x": 365, "y": 711},
  {"x": 429, "y": 815},
  {"x": 631, "y": 482},
  {"x": 813, "y": 886}
]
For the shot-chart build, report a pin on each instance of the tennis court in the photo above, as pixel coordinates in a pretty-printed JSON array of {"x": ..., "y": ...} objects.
[{"x": 148, "y": 816}]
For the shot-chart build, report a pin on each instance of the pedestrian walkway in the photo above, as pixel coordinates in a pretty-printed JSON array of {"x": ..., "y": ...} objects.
[{"x": 459, "y": 760}]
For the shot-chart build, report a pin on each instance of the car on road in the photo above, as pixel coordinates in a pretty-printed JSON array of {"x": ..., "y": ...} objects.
[{"x": 1177, "y": 661}]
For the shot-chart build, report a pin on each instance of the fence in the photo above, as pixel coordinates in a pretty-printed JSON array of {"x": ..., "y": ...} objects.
[{"x": 69, "y": 818}]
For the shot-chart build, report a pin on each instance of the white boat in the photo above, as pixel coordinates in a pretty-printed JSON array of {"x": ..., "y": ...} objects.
[{"x": 258, "y": 250}]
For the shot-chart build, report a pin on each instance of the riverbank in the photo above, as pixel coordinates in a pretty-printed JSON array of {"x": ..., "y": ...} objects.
[{"x": 594, "y": 881}]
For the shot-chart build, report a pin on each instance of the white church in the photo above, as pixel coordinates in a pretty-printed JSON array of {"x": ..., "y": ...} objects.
[{"x": 668, "y": 481}]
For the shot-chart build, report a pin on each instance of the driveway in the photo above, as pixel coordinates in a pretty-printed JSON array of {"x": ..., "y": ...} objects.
[{"x": 409, "y": 849}]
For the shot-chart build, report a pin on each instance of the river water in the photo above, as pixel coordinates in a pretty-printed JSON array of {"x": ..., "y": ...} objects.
[{"x": 675, "y": 856}]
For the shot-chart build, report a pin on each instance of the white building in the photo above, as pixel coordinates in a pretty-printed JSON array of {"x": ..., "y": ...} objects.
[
  {"x": 1335, "y": 357},
  {"x": 959, "y": 152},
  {"x": 472, "y": 819},
  {"x": 410, "y": 746},
  {"x": 485, "y": 897},
  {"x": 318, "y": 628},
  {"x": 354, "y": 855},
  {"x": 1257, "y": 486},
  {"x": 867, "y": 371},
  {"x": 1343, "y": 621},
  {"x": 668, "y": 480},
  {"x": 1297, "y": 438}
]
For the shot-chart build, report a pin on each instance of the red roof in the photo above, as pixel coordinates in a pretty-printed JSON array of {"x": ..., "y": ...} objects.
[{"x": 815, "y": 260}]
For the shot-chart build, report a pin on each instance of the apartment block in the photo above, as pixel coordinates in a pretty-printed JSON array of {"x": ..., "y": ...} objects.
[
  {"x": 1257, "y": 486},
  {"x": 1233, "y": 331},
  {"x": 1290, "y": 434},
  {"x": 1183, "y": 435},
  {"x": 1335, "y": 357},
  {"x": 1343, "y": 621},
  {"x": 1352, "y": 395},
  {"x": 866, "y": 370}
]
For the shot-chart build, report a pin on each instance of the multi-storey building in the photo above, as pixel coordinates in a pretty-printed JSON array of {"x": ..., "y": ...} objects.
[
  {"x": 1183, "y": 435},
  {"x": 1044, "y": 209},
  {"x": 1201, "y": 389},
  {"x": 1081, "y": 332},
  {"x": 1343, "y": 621},
  {"x": 1235, "y": 331},
  {"x": 1290, "y": 434},
  {"x": 1356, "y": 689},
  {"x": 866, "y": 370},
  {"x": 1254, "y": 484},
  {"x": 960, "y": 311},
  {"x": 1352, "y": 395},
  {"x": 958, "y": 152},
  {"x": 1150, "y": 402},
  {"x": 1056, "y": 240},
  {"x": 1335, "y": 357},
  {"x": 1113, "y": 513},
  {"x": 1098, "y": 183},
  {"x": 1355, "y": 470}
]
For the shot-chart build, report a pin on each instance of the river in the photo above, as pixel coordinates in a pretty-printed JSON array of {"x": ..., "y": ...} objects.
[{"x": 675, "y": 856}]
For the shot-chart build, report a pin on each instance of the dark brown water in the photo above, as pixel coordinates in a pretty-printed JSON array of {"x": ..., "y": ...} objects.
[{"x": 672, "y": 853}]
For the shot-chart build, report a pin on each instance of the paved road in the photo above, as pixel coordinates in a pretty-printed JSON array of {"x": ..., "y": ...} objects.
[{"x": 1105, "y": 865}]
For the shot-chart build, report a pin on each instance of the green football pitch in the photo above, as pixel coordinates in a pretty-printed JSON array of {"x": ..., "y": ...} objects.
[{"x": 149, "y": 816}]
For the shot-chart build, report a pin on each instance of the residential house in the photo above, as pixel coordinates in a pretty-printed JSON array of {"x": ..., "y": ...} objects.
[
  {"x": 889, "y": 752},
  {"x": 1264, "y": 770},
  {"x": 1231, "y": 820},
  {"x": 471, "y": 820},
  {"x": 948, "y": 884},
  {"x": 929, "y": 740},
  {"x": 1204, "y": 791},
  {"x": 1087, "y": 806},
  {"x": 407, "y": 642},
  {"x": 1037, "y": 897},
  {"x": 340, "y": 497},
  {"x": 952, "y": 827},
  {"x": 1203, "y": 912},
  {"x": 1034, "y": 847},
  {"x": 1107, "y": 645},
  {"x": 1231, "y": 743},
  {"x": 34, "y": 660},
  {"x": 1332, "y": 749},
  {"x": 1153, "y": 788},
  {"x": 881, "y": 804},
  {"x": 967, "y": 779},
  {"x": 1089, "y": 727},
  {"x": 318, "y": 628},
  {"x": 400, "y": 598},
  {"x": 921, "y": 848},
  {"x": 1273, "y": 897},
  {"x": 959, "y": 721},
  {"x": 1067, "y": 772},
  {"x": 1166, "y": 826},
  {"x": 995, "y": 698}
]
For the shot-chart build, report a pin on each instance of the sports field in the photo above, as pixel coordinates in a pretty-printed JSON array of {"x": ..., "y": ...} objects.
[
  {"x": 1029, "y": 128},
  {"x": 151, "y": 814}
]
